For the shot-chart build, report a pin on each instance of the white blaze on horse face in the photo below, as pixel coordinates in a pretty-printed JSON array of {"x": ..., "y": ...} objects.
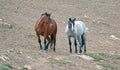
[
  {"x": 73, "y": 28},
  {"x": 70, "y": 27},
  {"x": 70, "y": 30}
]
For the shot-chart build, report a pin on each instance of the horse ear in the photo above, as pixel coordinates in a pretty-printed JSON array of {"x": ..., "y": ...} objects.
[
  {"x": 49, "y": 14},
  {"x": 74, "y": 19},
  {"x": 45, "y": 13},
  {"x": 69, "y": 19}
]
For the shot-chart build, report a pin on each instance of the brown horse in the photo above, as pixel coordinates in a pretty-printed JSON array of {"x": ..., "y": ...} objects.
[{"x": 47, "y": 27}]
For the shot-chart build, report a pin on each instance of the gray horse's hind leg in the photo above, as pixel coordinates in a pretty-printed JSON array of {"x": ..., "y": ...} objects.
[
  {"x": 80, "y": 43},
  {"x": 85, "y": 48},
  {"x": 83, "y": 37}
]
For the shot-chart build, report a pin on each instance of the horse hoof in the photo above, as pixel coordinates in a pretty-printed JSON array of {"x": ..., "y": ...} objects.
[
  {"x": 80, "y": 51},
  {"x": 51, "y": 47},
  {"x": 40, "y": 48},
  {"x": 76, "y": 52},
  {"x": 84, "y": 52},
  {"x": 53, "y": 50},
  {"x": 70, "y": 51},
  {"x": 45, "y": 49}
]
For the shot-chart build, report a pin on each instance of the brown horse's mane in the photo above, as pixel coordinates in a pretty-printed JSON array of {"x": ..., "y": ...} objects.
[{"x": 46, "y": 14}]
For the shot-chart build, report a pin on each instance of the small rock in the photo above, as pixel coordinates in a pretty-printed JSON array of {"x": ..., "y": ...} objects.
[
  {"x": 57, "y": 58},
  {"x": 114, "y": 37},
  {"x": 86, "y": 16},
  {"x": 86, "y": 57},
  {"x": 87, "y": 28},
  {"x": 29, "y": 57},
  {"x": 1, "y": 20},
  {"x": 27, "y": 67},
  {"x": 4, "y": 58},
  {"x": 99, "y": 67},
  {"x": 12, "y": 50},
  {"x": 19, "y": 52}
]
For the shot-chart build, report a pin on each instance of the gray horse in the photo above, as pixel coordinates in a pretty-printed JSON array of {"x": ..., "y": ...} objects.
[{"x": 77, "y": 30}]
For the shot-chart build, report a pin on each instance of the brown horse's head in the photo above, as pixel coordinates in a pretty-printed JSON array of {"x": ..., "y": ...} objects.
[
  {"x": 45, "y": 19},
  {"x": 43, "y": 23}
]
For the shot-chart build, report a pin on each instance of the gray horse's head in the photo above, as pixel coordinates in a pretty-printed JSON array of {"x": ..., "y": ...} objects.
[{"x": 71, "y": 23}]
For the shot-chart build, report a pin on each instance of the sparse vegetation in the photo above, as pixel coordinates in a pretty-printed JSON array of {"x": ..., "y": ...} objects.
[
  {"x": 110, "y": 66},
  {"x": 5, "y": 66},
  {"x": 107, "y": 61},
  {"x": 7, "y": 25},
  {"x": 32, "y": 35},
  {"x": 97, "y": 56},
  {"x": 60, "y": 62},
  {"x": 116, "y": 56}
]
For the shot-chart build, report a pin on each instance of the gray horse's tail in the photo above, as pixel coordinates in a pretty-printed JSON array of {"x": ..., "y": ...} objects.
[{"x": 83, "y": 39}]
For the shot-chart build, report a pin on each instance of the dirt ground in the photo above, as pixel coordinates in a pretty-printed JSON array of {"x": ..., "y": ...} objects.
[{"x": 18, "y": 42}]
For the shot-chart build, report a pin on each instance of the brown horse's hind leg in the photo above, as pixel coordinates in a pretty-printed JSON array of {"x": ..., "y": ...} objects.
[
  {"x": 51, "y": 41},
  {"x": 39, "y": 41},
  {"x": 54, "y": 38}
]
